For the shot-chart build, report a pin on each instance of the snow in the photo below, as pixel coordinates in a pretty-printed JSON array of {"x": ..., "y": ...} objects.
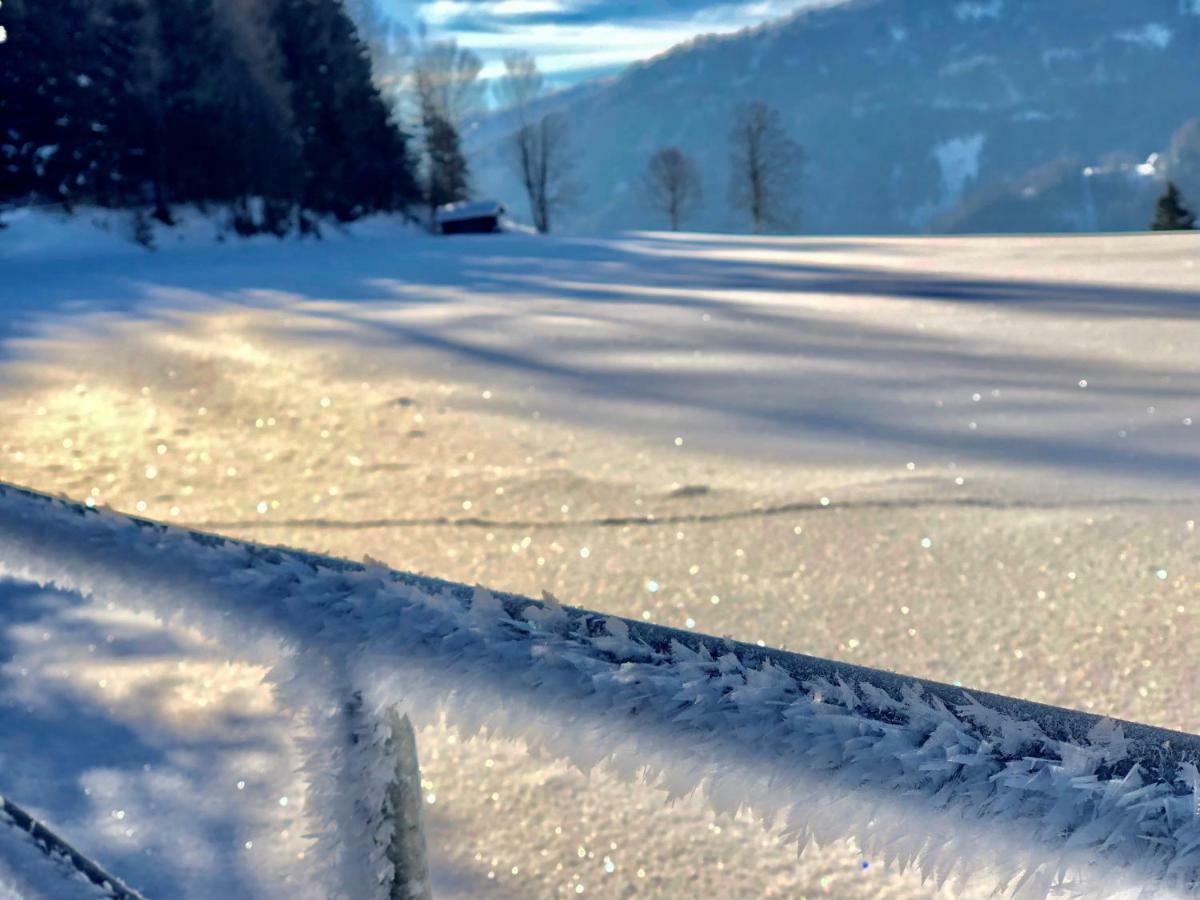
[
  {"x": 1149, "y": 167},
  {"x": 47, "y": 233},
  {"x": 1155, "y": 35},
  {"x": 669, "y": 102},
  {"x": 474, "y": 209},
  {"x": 1060, "y": 54},
  {"x": 132, "y": 743},
  {"x": 994, "y": 796},
  {"x": 963, "y": 459},
  {"x": 975, "y": 11},
  {"x": 966, "y": 66},
  {"x": 958, "y": 159}
]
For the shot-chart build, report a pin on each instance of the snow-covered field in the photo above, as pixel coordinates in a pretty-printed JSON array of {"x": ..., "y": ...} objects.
[{"x": 972, "y": 460}]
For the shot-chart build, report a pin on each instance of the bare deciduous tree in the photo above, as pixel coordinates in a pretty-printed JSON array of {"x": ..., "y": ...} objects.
[
  {"x": 767, "y": 168},
  {"x": 541, "y": 144},
  {"x": 543, "y": 150},
  {"x": 672, "y": 184},
  {"x": 446, "y": 79},
  {"x": 520, "y": 85}
]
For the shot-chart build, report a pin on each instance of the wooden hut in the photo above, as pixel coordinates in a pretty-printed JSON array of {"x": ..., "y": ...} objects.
[{"x": 471, "y": 217}]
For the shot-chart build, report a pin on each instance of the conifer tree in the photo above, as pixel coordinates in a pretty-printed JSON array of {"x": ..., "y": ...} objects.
[
  {"x": 158, "y": 103},
  {"x": 1171, "y": 214},
  {"x": 64, "y": 69},
  {"x": 120, "y": 154},
  {"x": 181, "y": 61},
  {"x": 447, "y": 89},
  {"x": 261, "y": 150},
  {"x": 388, "y": 44},
  {"x": 448, "y": 179},
  {"x": 353, "y": 155}
]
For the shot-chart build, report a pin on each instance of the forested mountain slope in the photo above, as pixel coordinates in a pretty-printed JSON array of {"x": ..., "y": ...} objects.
[{"x": 905, "y": 107}]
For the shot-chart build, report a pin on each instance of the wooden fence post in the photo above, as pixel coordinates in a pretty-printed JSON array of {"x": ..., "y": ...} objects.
[
  {"x": 407, "y": 853},
  {"x": 401, "y": 800}
]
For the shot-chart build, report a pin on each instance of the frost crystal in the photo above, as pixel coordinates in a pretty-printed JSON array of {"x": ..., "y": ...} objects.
[{"x": 959, "y": 787}]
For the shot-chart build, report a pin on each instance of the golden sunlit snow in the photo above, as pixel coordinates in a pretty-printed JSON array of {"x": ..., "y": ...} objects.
[{"x": 296, "y": 421}]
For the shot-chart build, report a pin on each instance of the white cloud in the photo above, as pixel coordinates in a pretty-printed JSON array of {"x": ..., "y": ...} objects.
[
  {"x": 440, "y": 12},
  {"x": 1154, "y": 34},
  {"x": 563, "y": 48}
]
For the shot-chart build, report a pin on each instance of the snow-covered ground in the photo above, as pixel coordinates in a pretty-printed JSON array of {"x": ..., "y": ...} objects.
[{"x": 966, "y": 459}]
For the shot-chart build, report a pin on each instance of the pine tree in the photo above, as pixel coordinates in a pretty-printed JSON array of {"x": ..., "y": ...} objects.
[
  {"x": 66, "y": 64},
  {"x": 448, "y": 178},
  {"x": 447, "y": 88},
  {"x": 388, "y": 44},
  {"x": 261, "y": 149},
  {"x": 158, "y": 103},
  {"x": 354, "y": 157},
  {"x": 175, "y": 47},
  {"x": 120, "y": 177},
  {"x": 259, "y": 178},
  {"x": 1171, "y": 214}
]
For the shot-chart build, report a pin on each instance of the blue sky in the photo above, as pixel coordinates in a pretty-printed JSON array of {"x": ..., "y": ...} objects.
[{"x": 578, "y": 39}]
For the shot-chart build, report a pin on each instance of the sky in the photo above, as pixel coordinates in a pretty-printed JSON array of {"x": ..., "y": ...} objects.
[{"x": 579, "y": 39}]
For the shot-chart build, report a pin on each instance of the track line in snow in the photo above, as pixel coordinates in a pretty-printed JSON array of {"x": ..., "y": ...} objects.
[{"x": 650, "y": 521}]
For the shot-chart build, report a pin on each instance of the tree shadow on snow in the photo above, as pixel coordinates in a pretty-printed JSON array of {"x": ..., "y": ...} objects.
[
  {"x": 69, "y": 758},
  {"x": 621, "y": 289}
]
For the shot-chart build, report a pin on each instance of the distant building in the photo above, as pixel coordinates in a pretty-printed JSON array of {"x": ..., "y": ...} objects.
[{"x": 473, "y": 217}]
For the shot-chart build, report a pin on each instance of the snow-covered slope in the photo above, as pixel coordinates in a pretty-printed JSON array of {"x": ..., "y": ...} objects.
[
  {"x": 966, "y": 459},
  {"x": 904, "y": 106}
]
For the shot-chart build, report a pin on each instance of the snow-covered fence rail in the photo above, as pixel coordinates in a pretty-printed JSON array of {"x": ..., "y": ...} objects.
[
  {"x": 57, "y": 849},
  {"x": 920, "y": 773}
]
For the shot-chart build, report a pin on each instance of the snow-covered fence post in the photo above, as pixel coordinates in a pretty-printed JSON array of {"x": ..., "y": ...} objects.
[
  {"x": 59, "y": 851},
  {"x": 393, "y": 815},
  {"x": 408, "y": 856}
]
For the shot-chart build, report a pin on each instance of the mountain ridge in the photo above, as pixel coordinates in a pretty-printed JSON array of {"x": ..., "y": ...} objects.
[{"x": 905, "y": 107}]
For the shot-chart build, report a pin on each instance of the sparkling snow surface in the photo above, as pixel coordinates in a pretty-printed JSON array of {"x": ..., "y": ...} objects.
[{"x": 972, "y": 460}]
